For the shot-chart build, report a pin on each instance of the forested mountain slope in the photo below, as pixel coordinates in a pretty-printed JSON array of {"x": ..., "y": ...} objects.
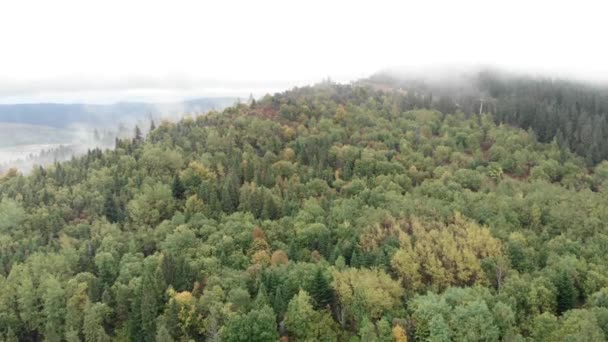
[
  {"x": 324, "y": 213},
  {"x": 575, "y": 114}
]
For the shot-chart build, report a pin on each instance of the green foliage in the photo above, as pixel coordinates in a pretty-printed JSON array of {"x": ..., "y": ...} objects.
[
  {"x": 257, "y": 325},
  {"x": 321, "y": 290},
  {"x": 323, "y": 213}
]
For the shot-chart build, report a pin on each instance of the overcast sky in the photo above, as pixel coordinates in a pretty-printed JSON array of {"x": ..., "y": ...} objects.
[{"x": 102, "y": 51}]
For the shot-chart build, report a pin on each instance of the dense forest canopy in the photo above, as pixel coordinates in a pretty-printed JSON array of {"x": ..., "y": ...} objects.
[
  {"x": 325, "y": 213},
  {"x": 575, "y": 114}
]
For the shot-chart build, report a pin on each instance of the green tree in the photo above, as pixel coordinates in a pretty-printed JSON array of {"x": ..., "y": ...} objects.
[
  {"x": 321, "y": 290},
  {"x": 54, "y": 309},
  {"x": 257, "y": 325},
  {"x": 566, "y": 292},
  {"x": 93, "y": 327}
]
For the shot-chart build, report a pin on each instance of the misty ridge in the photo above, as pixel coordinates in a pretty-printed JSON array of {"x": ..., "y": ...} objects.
[
  {"x": 570, "y": 110},
  {"x": 43, "y": 133}
]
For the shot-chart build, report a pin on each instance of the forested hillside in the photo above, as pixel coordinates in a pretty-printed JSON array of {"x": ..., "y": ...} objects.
[
  {"x": 573, "y": 113},
  {"x": 326, "y": 213}
]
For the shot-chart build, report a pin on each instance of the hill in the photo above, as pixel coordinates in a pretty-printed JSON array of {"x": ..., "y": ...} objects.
[
  {"x": 13, "y": 134},
  {"x": 574, "y": 113},
  {"x": 330, "y": 212}
]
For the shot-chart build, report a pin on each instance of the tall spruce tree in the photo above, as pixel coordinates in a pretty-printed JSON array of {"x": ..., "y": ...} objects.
[{"x": 321, "y": 290}]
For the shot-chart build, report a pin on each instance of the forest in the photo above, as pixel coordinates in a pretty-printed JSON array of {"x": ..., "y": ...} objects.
[
  {"x": 573, "y": 113},
  {"x": 324, "y": 213}
]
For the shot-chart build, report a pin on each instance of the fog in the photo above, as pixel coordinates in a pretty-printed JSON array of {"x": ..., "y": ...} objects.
[
  {"x": 105, "y": 53},
  {"x": 40, "y": 134},
  {"x": 108, "y": 51}
]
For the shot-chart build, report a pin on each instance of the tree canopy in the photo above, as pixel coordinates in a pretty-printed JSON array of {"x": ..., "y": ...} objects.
[{"x": 331, "y": 212}]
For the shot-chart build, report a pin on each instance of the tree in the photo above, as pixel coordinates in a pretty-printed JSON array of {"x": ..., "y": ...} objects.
[
  {"x": 162, "y": 333},
  {"x": 94, "y": 317},
  {"x": 149, "y": 304},
  {"x": 321, "y": 291},
  {"x": 544, "y": 327},
  {"x": 399, "y": 334},
  {"x": 152, "y": 205},
  {"x": 137, "y": 136},
  {"x": 305, "y": 324},
  {"x": 256, "y": 325},
  {"x": 76, "y": 306},
  {"x": 384, "y": 330},
  {"x": 440, "y": 331},
  {"x": 566, "y": 292},
  {"x": 367, "y": 332},
  {"x": 300, "y": 316},
  {"x": 365, "y": 293},
  {"x": 472, "y": 322},
  {"x": 54, "y": 309},
  {"x": 12, "y": 215},
  {"x": 177, "y": 188},
  {"x": 580, "y": 325}
]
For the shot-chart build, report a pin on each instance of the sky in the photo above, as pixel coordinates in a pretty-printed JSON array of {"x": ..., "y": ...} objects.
[{"x": 106, "y": 51}]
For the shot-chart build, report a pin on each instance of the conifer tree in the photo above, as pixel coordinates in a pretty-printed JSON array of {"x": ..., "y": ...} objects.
[
  {"x": 149, "y": 305},
  {"x": 566, "y": 293},
  {"x": 321, "y": 290},
  {"x": 178, "y": 188}
]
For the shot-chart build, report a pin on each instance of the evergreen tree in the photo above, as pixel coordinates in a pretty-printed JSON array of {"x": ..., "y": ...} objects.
[
  {"x": 566, "y": 292},
  {"x": 149, "y": 305},
  {"x": 134, "y": 325},
  {"x": 261, "y": 298},
  {"x": 138, "y": 136},
  {"x": 172, "y": 319},
  {"x": 279, "y": 303},
  {"x": 177, "y": 188},
  {"x": 162, "y": 333},
  {"x": 152, "y": 125},
  {"x": 321, "y": 290}
]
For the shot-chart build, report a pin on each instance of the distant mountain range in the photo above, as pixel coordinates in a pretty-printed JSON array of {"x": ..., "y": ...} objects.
[{"x": 65, "y": 115}]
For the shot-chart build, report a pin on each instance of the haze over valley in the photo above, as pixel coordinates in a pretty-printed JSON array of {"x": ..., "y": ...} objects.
[{"x": 42, "y": 133}]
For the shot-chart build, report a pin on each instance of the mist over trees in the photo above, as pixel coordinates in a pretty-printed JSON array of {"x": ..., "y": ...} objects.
[
  {"x": 575, "y": 114},
  {"x": 330, "y": 213}
]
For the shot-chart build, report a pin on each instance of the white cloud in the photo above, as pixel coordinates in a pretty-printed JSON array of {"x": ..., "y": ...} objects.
[{"x": 61, "y": 48}]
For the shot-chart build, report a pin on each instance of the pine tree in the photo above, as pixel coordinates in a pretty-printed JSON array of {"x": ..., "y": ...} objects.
[
  {"x": 229, "y": 195},
  {"x": 566, "y": 293},
  {"x": 138, "y": 136},
  {"x": 261, "y": 298},
  {"x": 270, "y": 211},
  {"x": 321, "y": 290},
  {"x": 162, "y": 333},
  {"x": 152, "y": 125},
  {"x": 279, "y": 303},
  {"x": 177, "y": 188},
  {"x": 134, "y": 324},
  {"x": 172, "y": 319},
  {"x": 354, "y": 259},
  {"x": 149, "y": 305}
]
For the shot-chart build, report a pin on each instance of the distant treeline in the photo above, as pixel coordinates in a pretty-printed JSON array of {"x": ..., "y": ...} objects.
[
  {"x": 60, "y": 115},
  {"x": 573, "y": 113}
]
